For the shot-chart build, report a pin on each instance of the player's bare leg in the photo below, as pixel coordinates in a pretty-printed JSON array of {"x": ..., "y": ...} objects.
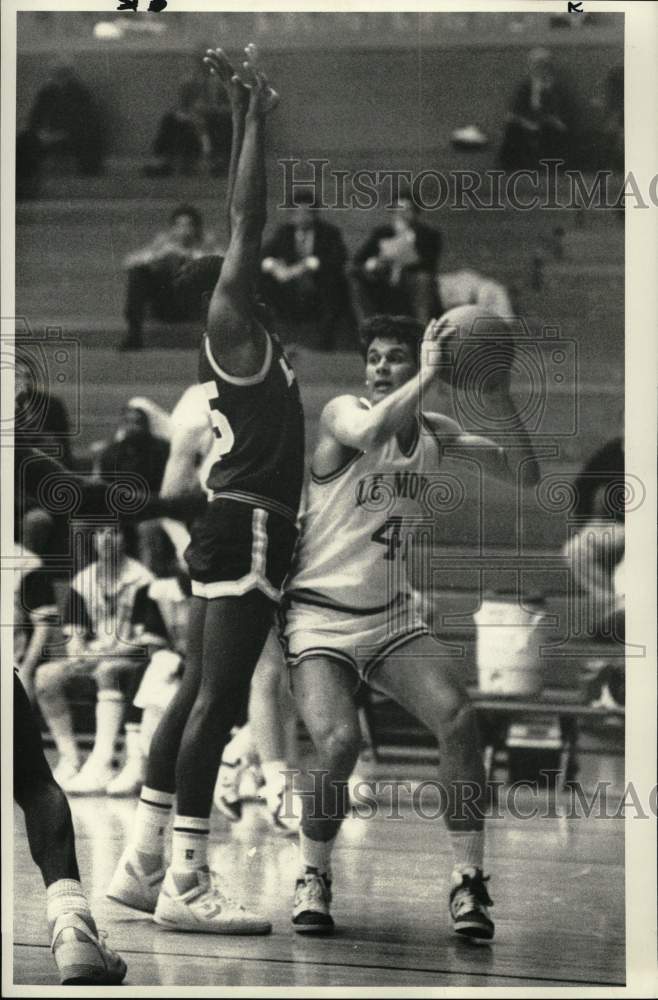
[
  {"x": 324, "y": 693},
  {"x": 431, "y": 689}
]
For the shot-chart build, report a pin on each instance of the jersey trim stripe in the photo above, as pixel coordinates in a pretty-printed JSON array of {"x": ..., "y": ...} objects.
[
  {"x": 254, "y": 500},
  {"x": 321, "y": 480},
  {"x": 319, "y": 601},
  {"x": 243, "y": 380}
]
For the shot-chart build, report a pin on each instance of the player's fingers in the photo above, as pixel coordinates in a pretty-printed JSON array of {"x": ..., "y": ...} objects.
[{"x": 252, "y": 54}]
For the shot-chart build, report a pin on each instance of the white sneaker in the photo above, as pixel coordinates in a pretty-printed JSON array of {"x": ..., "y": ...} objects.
[
  {"x": 82, "y": 957},
  {"x": 310, "y": 913},
  {"x": 469, "y": 904},
  {"x": 91, "y": 779},
  {"x": 131, "y": 885},
  {"x": 66, "y": 769},
  {"x": 129, "y": 780},
  {"x": 227, "y": 796},
  {"x": 204, "y": 909}
]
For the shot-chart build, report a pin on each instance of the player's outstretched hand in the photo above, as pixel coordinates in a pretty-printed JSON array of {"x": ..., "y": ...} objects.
[
  {"x": 433, "y": 347},
  {"x": 263, "y": 97},
  {"x": 220, "y": 66}
]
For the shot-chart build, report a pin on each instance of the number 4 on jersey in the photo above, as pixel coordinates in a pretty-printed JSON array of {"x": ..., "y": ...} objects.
[{"x": 389, "y": 534}]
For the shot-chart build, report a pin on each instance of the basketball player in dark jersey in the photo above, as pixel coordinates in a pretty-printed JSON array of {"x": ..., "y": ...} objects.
[{"x": 239, "y": 553}]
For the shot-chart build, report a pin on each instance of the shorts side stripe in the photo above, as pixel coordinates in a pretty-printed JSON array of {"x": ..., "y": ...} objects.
[
  {"x": 395, "y": 643},
  {"x": 256, "y": 578}
]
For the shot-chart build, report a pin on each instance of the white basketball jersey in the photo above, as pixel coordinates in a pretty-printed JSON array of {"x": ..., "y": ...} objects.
[
  {"x": 357, "y": 525},
  {"x": 190, "y": 419}
]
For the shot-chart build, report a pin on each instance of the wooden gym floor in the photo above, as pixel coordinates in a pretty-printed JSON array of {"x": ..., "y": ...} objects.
[{"x": 557, "y": 883}]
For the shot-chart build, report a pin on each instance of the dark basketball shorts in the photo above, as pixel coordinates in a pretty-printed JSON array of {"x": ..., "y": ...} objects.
[{"x": 236, "y": 548}]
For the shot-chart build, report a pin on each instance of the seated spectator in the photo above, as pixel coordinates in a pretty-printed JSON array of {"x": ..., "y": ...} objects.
[
  {"x": 192, "y": 135},
  {"x": 152, "y": 272},
  {"x": 135, "y": 447},
  {"x": 35, "y": 615},
  {"x": 395, "y": 270},
  {"x": 304, "y": 278},
  {"x": 65, "y": 118},
  {"x": 105, "y": 625},
  {"x": 466, "y": 287},
  {"x": 538, "y": 125},
  {"x": 595, "y": 554}
]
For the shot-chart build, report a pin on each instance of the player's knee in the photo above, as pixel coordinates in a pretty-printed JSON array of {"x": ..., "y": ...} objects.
[
  {"x": 49, "y": 681},
  {"x": 457, "y": 718},
  {"x": 339, "y": 742},
  {"x": 108, "y": 674}
]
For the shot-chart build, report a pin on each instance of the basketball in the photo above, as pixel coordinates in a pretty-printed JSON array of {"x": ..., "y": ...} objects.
[{"x": 479, "y": 350}]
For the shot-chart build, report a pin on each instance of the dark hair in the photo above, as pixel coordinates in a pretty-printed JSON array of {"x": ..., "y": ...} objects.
[
  {"x": 405, "y": 329},
  {"x": 603, "y": 470},
  {"x": 192, "y": 213}
]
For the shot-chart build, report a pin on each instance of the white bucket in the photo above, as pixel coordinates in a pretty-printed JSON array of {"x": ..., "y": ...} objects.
[{"x": 508, "y": 648}]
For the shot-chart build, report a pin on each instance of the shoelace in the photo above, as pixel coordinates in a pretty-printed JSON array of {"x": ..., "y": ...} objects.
[
  {"x": 475, "y": 887},
  {"x": 312, "y": 889},
  {"x": 217, "y": 894}
]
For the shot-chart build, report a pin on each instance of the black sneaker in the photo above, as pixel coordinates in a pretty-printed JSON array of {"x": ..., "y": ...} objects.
[
  {"x": 469, "y": 901},
  {"x": 310, "y": 913}
]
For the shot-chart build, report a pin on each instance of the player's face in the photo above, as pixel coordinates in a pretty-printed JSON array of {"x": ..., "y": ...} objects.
[{"x": 389, "y": 364}]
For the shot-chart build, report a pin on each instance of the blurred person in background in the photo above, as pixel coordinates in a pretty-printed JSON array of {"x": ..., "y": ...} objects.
[
  {"x": 193, "y": 135},
  {"x": 538, "y": 124},
  {"x": 152, "y": 272},
  {"x": 65, "y": 118},
  {"x": 304, "y": 277},
  {"x": 106, "y": 639},
  {"x": 595, "y": 555},
  {"x": 395, "y": 269}
]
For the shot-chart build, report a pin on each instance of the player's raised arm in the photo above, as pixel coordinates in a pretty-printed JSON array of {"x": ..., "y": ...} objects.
[
  {"x": 499, "y": 455},
  {"x": 219, "y": 66},
  {"x": 234, "y": 332},
  {"x": 352, "y": 425}
]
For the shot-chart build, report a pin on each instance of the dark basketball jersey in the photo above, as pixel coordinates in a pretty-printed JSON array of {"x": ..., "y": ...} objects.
[{"x": 258, "y": 425}]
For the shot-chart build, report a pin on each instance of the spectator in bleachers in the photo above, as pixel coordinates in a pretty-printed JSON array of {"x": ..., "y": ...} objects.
[
  {"x": 395, "y": 269},
  {"x": 595, "y": 554},
  {"x": 137, "y": 447},
  {"x": 105, "y": 625},
  {"x": 304, "y": 277},
  {"x": 65, "y": 118},
  {"x": 538, "y": 125},
  {"x": 192, "y": 136},
  {"x": 153, "y": 269}
]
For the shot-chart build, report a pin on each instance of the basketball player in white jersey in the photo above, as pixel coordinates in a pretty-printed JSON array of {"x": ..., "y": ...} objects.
[{"x": 351, "y": 615}]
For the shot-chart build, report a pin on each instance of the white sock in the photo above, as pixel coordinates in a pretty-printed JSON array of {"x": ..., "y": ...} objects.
[
  {"x": 134, "y": 752},
  {"x": 189, "y": 844},
  {"x": 110, "y": 707},
  {"x": 239, "y": 747},
  {"x": 316, "y": 853},
  {"x": 66, "y": 895},
  {"x": 61, "y": 728},
  {"x": 467, "y": 848},
  {"x": 151, "y": 821}
]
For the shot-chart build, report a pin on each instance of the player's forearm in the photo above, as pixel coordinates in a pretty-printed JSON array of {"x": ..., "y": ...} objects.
[
  {"x": 237, "y": 139},
  {"x": 517, "y": 450},
  {"x": 249, "y": 202},
  {"x": 376, "y": 426}
]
